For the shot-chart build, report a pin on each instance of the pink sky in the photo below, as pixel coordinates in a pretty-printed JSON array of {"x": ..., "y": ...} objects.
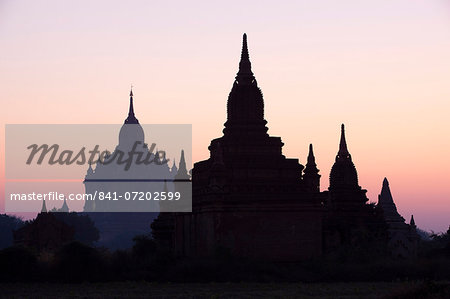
[{"x": 382, "y": 68}]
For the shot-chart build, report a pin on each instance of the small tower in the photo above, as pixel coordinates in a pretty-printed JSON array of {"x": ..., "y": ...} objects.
[
  {"x": 182, "y": 170},
  {"x": 44, "y": 207},
  {"x": 174, "y": 169},
  {"x": 312, "y": 176},
  {"x": 402, "y": 238},
  {"x": 386, "y": 203},
  {"x": 65, "y": 207},
  {"x": 343, "y": 175}
]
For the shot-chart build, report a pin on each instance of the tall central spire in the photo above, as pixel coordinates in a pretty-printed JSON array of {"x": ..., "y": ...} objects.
[
  {"x": 343, "y": 151},
  {"x": 343, "y": 173},
  {"x": 131, "y": 119},
  {"x": 245, "y": 107},
  {"x": 245, "y": 74}
]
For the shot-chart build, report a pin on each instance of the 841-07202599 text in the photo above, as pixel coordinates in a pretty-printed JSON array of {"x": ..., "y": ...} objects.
[
  {"x": 136, "y": 195},
  {"x": 100, "y": 195}
]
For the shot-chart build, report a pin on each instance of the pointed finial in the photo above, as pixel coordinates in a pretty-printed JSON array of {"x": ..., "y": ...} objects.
[
  {"x": 131, "y": 119},
  {"x": 311, "y": 159},
  {"x": 245, "y": 74},
  {"x": 244, "y": 53},
  {"x": 412, "y": 222},
  {"x": 343, "y": 151},
  {"x": 385, "y": 182},
  {"x": 182, "y": 160}
]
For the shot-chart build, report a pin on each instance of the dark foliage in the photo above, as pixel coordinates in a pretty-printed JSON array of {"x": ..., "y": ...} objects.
[
  {"x": 85, "y": 230},
  {"x": 45, "y": 233},
  {"x": 77, "y": 262},
  {"x": 146, "y": 260},
  {"x": 17, "y": 264},
  {"x": 8, "y": 224},
  {"x": 438, "y": 246}
]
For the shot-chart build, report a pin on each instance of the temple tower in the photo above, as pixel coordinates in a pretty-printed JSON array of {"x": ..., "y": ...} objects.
[
  {"x": 245, "y": 107},
  {"x": 248, "y": 198},
  {"x": 344, "y": 188},
  {"x": 311, "y": 176},
  {"x": 403, "y": 238}
]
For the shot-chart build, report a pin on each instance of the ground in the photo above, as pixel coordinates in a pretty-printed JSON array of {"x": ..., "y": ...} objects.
[{"x": 223, "y": 290}]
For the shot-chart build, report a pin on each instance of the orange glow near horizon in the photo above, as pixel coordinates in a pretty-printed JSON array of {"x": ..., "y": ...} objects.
[{"x": 382, "y": 69}]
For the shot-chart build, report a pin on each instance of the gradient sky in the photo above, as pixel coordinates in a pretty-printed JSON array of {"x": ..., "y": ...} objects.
[{"x": 381, "y": 67}]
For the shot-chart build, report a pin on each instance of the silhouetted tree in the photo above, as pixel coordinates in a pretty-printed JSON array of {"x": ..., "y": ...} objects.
[
  {"x": 441, "y": 243},
  {"x": 7, "y": 225},
  {"x": 45, "y": 233},
  {"x": 85, "y": 230}
]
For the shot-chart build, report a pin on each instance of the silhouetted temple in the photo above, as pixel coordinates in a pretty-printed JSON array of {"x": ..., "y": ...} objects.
[
  {"x": 251, "y": 200},
  {"x": 120, "y": 220},
  {"x": 403, "y": 238}
]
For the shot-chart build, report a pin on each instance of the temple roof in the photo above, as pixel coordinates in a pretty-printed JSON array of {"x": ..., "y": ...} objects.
[
  {"x": 343, "y": 173},
  {"x": 245, "y": 103}
]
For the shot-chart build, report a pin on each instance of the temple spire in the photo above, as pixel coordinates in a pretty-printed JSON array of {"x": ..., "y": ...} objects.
[
  {"x": 245, "y": 106},
  {"x": 245, "y": 74},
  {"x": 182, "y": 165},
  {"x": 412, "y": 222},
  {"x": 343, "y": 151},
  {"x": 386, "y": 203},
  {"x": 65, "y": 207},
  {"x": 311, "y": 159},
  {"x": 385, "y": 196},
  {"x": 44, "y": 207},
  {"x": 312, "y": 176},
  {"x": 131, "y": 119},
  {"x": 182, "y": 169}
]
